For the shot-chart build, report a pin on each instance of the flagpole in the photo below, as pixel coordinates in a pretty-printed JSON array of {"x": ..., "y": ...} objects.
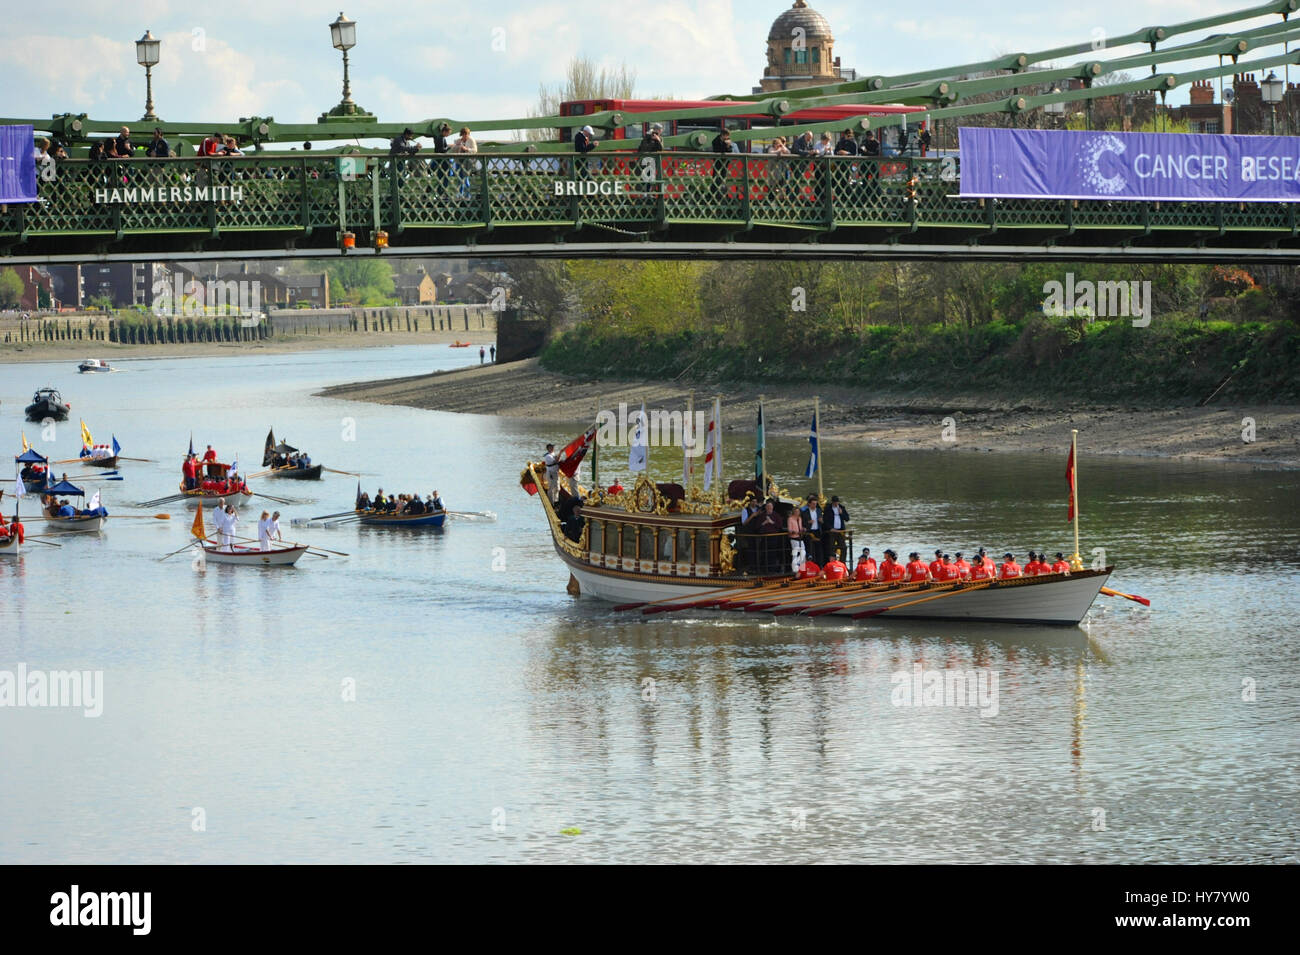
[
  {"x": 595, "y": 452},
  {"x": 717, "y": 441},
  {"x": 817, "y": 417},
  {"x": 687, "y": 464},
  {"x": 1077, "y": 560},
  {"x": 762, "y": 453}
]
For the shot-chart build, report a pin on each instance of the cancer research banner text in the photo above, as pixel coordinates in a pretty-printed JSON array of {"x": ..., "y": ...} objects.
[
  {"x": 17, "y": 165},
  {"x": 1068, "y": 164}
]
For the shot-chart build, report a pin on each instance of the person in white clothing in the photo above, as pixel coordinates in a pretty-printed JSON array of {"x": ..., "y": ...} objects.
[
  {"x": 273, "y": 527},
  {"x": 552, "y": 462},
  {"x": 264, "y": 531},
  {"x": 232, "y": 520}
]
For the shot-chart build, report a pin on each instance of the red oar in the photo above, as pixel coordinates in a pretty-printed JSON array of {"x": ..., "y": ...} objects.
[{"x": 1134, "y": 597}]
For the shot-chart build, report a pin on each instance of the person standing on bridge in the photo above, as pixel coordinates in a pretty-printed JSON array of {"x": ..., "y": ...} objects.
[
  {"x": 439, "y": 166},
  {"x": 123, "y": 145},
  {"x": 653, "y": 140},
  {"x": 584, "y": 141},
  {"x": 157, "y": 148},
  {"x": 465, "y": 146},
  {"x": 847, "y": 145},
  {"x": 803, "y": 145},
  {"x": 721, "y": 146}
]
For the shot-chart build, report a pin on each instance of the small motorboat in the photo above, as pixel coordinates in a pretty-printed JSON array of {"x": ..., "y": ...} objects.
[
  {"x": 460, "y": 344},
  {"x": 94, "y": 365},
  {"x": 47, "y": 403}
]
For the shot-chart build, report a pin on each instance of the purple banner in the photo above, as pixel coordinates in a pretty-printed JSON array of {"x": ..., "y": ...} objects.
[
  {"x": 17, "y": 164},
  {"x": 1066, "y": 164}
]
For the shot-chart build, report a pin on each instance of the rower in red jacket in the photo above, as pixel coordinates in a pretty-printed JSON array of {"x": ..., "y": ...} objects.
[
  {"x": 1031, "y": 568},
  {"x": 936, "y": 565},
  {"x": 866, "y": 569},
  {"x": 891, "y": 571},
  {"x": 209, "y": 455},
  {"x": 981, "y": 571},
  {"x": 916, "y": 569},
  {"x": 1061, "y": 566},
  {"x": 1009, "y": 567},
  {"x": 963, "y": 568}
]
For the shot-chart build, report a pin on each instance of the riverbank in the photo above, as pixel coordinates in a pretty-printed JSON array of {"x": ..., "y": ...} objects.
[
  {"x": 75, "y": 350},
  {"x": 978, "y": 424}
]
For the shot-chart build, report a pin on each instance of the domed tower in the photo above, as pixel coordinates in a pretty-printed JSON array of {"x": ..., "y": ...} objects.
[{"x": 799, "y": 50}]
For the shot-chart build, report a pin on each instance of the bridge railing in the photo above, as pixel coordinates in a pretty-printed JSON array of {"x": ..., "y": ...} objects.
[{"x": 627, "y": 193}]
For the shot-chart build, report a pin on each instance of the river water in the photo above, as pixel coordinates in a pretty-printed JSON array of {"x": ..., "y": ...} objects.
[{"x": 440, "y": 697}]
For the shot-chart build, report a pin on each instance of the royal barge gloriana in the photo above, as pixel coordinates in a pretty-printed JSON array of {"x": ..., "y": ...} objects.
[{"x": 657, "y": 548}]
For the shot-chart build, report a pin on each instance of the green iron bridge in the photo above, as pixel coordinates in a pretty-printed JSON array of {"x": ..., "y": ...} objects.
[{"x": 538, "y": 199}]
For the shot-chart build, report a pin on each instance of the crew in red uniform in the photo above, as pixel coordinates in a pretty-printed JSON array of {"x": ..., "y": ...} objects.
[
  {"x": 835, "y": 569},
  {"x": 947, "y": 571},
  {"x": 1032, "y": 566},
  {"x": 1044, "y": 567},
  {"x": 1009, "y": 567},
  {"x": 936, "y": 565},
  {"x": 916, "y": 569},
  {"x": 987, "y": 561},
  {"x": 963, "y": 568},
  {"x": 981, "y": 571},
  {"x": 809, "y": 569},
  {"x": 866, "y": 569},
  {"x": 891, "y": 571},
  {"x": 1061, "y": 566},
  {"x": 209, "y": 455}
]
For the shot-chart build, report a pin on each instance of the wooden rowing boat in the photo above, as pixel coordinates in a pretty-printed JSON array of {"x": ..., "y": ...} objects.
[
  {"x": 384, "y": 519},
  {"x": 280, "y": 555},
  {"x": 10, "y": 546},
  {"x": 653, "y": 543},
  {"x": 77, "y": 524},
  {"x": 110, "y": 462},
  {"x": 297, "y": 474}
]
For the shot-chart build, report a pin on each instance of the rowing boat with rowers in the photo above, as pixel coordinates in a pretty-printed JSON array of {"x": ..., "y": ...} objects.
[
  {"x": 279, "y": 554},
  {"x": 283, "y": 460},
  {"x": 660, "y": 547}
]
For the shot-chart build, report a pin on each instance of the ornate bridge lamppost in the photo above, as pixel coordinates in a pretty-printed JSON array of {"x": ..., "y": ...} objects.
[
  {"x": 146, "y": 54},
  {"x": 343, "y": 34},
  {"x": 1055, "y": 110},
  {"x": 1271, "y": 91}
]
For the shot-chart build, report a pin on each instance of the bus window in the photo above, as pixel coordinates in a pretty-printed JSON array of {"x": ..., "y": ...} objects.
[
  {"x": 576, "y": 109},
  {"x": 630, "y": 131}
]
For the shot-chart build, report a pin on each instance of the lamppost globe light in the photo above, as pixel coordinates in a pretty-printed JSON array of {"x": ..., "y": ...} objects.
[
  {"x": 146, "y": 49},
  {"x": 343, "y": 33},
  {"x": 1271, "y": 89},
  {"x": 146, "y": 54}
]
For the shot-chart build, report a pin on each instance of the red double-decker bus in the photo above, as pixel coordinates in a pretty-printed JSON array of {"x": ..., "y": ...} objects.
[{"x": 714, "y": 125}]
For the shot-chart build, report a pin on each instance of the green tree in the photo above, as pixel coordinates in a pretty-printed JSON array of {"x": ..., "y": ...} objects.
[
  {"x": 583, "y": 79},
  {"x": 11, "y": 288}
]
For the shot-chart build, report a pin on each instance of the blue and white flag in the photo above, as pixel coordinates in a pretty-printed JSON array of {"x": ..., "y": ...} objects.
[
  {"x": 812, "y": 456},
  {"x": 117, "y": 448},
  {"x": 636, "y": 455}
]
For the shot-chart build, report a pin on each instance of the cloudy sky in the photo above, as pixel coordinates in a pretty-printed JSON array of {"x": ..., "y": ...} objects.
[{"x": 420, "y": 59}]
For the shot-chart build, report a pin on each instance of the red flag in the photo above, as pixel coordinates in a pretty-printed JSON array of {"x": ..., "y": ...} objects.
[
  {"x": 1069, "y": 477},
  {"x": 575, "y": 451}
]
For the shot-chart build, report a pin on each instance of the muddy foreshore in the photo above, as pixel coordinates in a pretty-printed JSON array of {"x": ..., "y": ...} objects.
[{"x": 978, "y": 424}]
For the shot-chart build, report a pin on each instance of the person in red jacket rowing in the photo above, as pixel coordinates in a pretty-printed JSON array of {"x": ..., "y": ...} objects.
[
  {"x": 891, "y": 571},
  {"x": 1061, "y": 566},
  {"x": 916, "y": 569},
  {"x": 1009, "y": 567},
  {"x": 866, "y": 569}
]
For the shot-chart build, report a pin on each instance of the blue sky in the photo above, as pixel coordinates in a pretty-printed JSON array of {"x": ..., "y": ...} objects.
[{"x": 420, "y": 59}]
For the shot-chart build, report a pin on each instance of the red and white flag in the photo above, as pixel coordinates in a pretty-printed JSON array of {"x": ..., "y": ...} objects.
[
  {"x": 711, "y": 449},
  {"x": 1069, "y": 477},
  {"x": 573, "y": 453}
]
